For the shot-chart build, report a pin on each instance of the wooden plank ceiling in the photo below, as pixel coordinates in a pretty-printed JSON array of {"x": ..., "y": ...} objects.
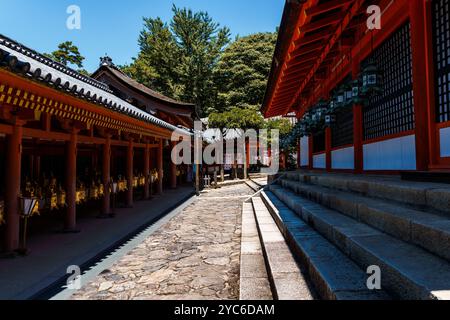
[{"x": 323, "y": 28}]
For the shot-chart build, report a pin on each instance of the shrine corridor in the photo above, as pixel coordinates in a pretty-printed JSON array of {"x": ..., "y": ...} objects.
[{"x": 194, "y": 256}]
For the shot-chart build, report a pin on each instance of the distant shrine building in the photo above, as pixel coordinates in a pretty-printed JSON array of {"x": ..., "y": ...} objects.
[
  {"x": 71, "y": 142},
  {"x": 367, "y": 100}
]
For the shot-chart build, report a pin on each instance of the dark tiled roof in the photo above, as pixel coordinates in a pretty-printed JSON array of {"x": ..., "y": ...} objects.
[
  {"x": 142, "y": 88},
  {"x": 36, "y": 66}
]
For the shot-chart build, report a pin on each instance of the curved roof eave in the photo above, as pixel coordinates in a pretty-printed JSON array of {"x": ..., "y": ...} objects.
[{"x": 80, "y": 85}]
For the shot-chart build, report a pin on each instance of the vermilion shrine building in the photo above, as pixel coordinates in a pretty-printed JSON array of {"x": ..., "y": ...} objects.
[
  {"x": 325, "y": 50},
  {"x": 65, "y": 137}
]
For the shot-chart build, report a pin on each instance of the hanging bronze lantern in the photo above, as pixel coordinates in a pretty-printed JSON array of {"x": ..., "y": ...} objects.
[
  {"x": 153, "y": 175},
  {"x": 340, "y": 97},
  {"x": 93, "y": 191},
  {"x": 141, "y": 180},
  {"x": 330, "y": 119},
  {"x": 371, "y": 79},
  {"x": 80, "y": 194},
  {"x": 2, "y": 212},
  {"x": 322, "y": 108},
  {"x": 348, "y": 94},
  {"x": 101, "y": 189},
  {"x": 61, "y": 197},
  {"x": 357, "y": 97},
  {"x": 332, "y": 105},
  {"x": 122, "y": 184},
  {"x": 308, "y": 123},
  {"x": 32, "y": 190},
  {"x": 51, "y": 199}
]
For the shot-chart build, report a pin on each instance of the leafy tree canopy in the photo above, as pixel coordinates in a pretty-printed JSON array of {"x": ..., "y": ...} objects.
[
  {"x": 178, "y": 59},
  {"x": 67, "y": 54},
  {"x": 242, "y": 72},
  {"x": 281, "y": 124},
  {"x": 237, "y": 118}
]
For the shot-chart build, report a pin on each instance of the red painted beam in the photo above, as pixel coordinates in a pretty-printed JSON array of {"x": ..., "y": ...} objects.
[
  {"x": 327, "y": 6},
  {"x": 345, "y": 20},
  {"x": 328, "y": 21}
]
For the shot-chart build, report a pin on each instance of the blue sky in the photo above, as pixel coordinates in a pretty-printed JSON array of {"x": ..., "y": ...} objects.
[{"x": 113, "y": 26}]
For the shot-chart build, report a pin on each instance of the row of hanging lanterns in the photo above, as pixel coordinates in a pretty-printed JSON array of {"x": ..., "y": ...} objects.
[{"x": 323, "y": 114}]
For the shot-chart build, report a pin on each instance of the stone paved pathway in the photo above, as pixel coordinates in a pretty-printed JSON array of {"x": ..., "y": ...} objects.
[{"x": 195, "y": 256}]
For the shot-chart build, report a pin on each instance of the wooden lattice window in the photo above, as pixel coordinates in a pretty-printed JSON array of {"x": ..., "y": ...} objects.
[
  {"x": 342, "y": 130},
  {"x": 319, "y": 142},
  {"x": 441, "y": 30},
  {"x": 391, "y": 111}
]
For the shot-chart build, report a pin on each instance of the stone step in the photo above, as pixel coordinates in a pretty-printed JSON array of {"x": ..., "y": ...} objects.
[
  {"x": 427, "y": 230},
  {"x": 254, "y": 281},
  {"x": 333, "y": 275},
  {"x": 424, "y": 195},
  {"x": 287, "y": 280},
  {"x": 407, "y": 271},
  {"x": 252, "y": 185}
]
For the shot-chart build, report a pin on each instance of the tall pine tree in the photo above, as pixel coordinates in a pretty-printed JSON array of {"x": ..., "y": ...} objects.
[{"x": 178, "y": 59}]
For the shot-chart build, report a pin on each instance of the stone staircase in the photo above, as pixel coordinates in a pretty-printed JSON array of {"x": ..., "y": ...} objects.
[{"x": 338, "y": 225}]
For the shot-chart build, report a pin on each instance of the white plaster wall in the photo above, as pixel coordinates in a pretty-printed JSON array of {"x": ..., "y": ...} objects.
[
  {"x": 319, "y": 161},
  {"x": 343, "y": 158},
  {"x": 445, "y": 142},
  {"x": 304, "y": 151},
  {"x": 393, "y": 154}
]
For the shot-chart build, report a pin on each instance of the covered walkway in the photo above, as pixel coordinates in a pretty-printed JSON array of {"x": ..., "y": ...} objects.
[{"x": 52, "y": 253}]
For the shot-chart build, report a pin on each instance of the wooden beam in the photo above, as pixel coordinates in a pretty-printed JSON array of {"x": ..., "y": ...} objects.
[
  {"x": 328, "y": 6},
  {"x": 304, "y": 49},
  {"x": 325, "y": 34},
  {"x": 344, "y": 22},
  {"x": 328, "y": 21}
]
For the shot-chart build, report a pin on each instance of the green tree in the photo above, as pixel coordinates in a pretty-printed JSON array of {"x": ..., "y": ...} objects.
[
  {"x": 242, "y": 71},
  {"x": 178, "y": 59},
  {"x": 157, "y": 63},
  {"x": 67, "y": 54},
  {"x": 282, "y": 124},
  {"x": 237, "y": 118}
]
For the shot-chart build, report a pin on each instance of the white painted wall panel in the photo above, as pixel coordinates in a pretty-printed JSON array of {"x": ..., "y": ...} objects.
[
  {"x": 320, "y": 161},
  {"x": 343, "y": 159},
  {"x": 393, "y": 154},
  {"x": 304, "y": 151},
  {"x": 445, "y": 142}
]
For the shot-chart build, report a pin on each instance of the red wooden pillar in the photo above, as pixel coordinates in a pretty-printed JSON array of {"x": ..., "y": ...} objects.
[
  {"x": 12, "y": 190},
  {"x": 247, "y": 153},
  {"x": 417, "y": 11},
  {"x": 147, "y": 171},
  {"x": 434, "y": 149},
  {"x": 71, "y": 182},
  {"x": 173, "y": 170},
  {"x": 310, "y": 152},
  {"x": 282, "y": 162},
  {"x": 130, "y": 154},
  {"x": 358, "y": 138},
  {"x": 159, "y": 165},
  {"x": 328, "y": 148},
  {"x": 358, "y": 132},
  {"x": 106, "y": 208}
]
